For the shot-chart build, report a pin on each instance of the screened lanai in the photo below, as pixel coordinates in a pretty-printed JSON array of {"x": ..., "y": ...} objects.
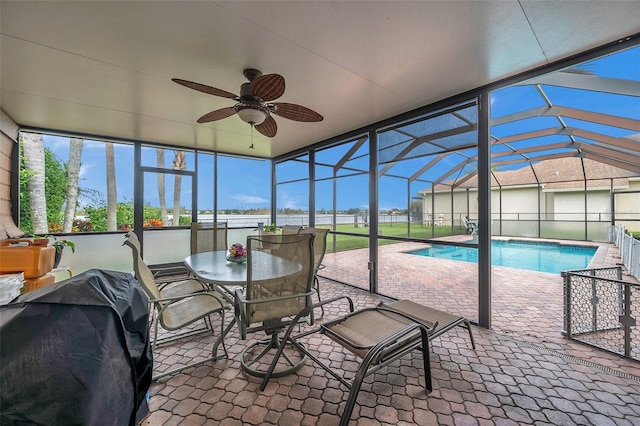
[
  {"x": 573, "y": 129},
  {"x": 557, "y": 150},
  {"x": 565, "y": 132},
  {"x": 563, "y": 165},
  {"x": 434, "y": 112}
]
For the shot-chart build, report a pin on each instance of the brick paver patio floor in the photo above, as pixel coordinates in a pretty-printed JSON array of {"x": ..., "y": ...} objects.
[{"x": 523, "y": 370}]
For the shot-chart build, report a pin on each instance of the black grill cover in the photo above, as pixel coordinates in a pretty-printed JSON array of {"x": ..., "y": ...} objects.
[{"x": 76, "y": 352}]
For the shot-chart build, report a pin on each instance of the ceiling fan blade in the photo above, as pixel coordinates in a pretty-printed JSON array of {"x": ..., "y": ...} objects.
[
  {"x": 268, "y": 127},
  {"x": 218, "y": 114},
  {"x": 268, "y": 87},
  {"x": 296, "y": 112},
  {"x": 205, "y": 89}
]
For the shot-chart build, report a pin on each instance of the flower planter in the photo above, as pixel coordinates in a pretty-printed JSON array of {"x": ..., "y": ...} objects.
[
  {"x": 22, "y": 255},
  {"x": 268, "y": 239}
]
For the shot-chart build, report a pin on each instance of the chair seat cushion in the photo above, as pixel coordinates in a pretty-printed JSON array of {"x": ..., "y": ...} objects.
[
  {"x": 364, "y": 329},
  {"x": 181, "y": 288},
  {"x": 192, "y": 308}
]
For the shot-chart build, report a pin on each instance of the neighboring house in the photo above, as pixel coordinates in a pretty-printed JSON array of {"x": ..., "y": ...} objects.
[{"x": 553, "y": 189}]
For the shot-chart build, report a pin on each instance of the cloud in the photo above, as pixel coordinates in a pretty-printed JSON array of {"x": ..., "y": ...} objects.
[
  {"x": 85, "y": 169},
  {"x": 285, "y": 201},
  {"x": 55, "y": 143},
  {"x": 249, "y": 199},
  {"x": 94, "y": 145},
  {"x": 290, "y": 204}
]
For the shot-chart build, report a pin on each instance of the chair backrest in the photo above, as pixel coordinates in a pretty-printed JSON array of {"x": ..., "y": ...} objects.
[
  {"x": 468, "y": 225},
  {"x": 286, "y": 230},
  {"x": 279, "y": 287},
  {"x": 319, "y": 244},
  {"x": 291, "y": 229},
  {"x": 143, "y": 274},
  {"x": 208, "y": 236}
]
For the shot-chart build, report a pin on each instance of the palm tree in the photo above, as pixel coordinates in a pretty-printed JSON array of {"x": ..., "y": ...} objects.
[
  {"x": 73, "y": 175},
  {"x": 179, "y": 163},
  {"x": 112, "y": 195},
  {"x": 161, "y": 187},
  {"x": 33, "y": 150}
]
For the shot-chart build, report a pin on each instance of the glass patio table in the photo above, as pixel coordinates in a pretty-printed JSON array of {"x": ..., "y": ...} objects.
[{"x": 213, "y": 268}]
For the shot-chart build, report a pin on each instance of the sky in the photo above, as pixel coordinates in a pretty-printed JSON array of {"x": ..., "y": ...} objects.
[{"x": 242, "y": 183}]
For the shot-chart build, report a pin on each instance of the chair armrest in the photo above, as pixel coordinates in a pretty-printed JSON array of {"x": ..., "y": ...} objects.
[
  {"x": 174, "y": 299},
  {"x": 275, "y": 299},
  {"x": 239, "y": 296},
  {"x": 162, "y": 284},
  {"x": 163, "y": 276},
  {"x": 240, "y": 312}
]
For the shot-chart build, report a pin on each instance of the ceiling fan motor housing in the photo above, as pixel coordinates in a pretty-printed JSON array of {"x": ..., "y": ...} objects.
[
  {"x": 246, "y": 94},
  {"x": 251, "y": 73}
]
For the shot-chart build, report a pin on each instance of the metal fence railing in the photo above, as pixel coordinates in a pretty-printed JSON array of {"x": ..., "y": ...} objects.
[
  {"x": 629, "y": 249},
  {"x": 599, "y": 310}
]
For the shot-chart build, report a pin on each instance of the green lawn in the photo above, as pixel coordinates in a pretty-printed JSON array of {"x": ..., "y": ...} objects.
[{"x": 349, "y": 242}]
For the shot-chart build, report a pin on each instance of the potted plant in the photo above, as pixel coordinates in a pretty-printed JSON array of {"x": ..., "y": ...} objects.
[
  {"x": 269, "y": 228},
  {"x": 59, "y": 245},
  {"x": 268, "y": 235}
]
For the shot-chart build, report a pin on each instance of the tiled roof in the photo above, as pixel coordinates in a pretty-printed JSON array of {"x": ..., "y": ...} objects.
[
  {"x": 618, "y": 183},
  {"x": 559, "y": 173}
]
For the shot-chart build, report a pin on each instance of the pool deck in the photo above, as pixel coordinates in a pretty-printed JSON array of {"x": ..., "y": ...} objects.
[
  {"x": 524, "y": 303},
  {"x": 523, "y": 370}
]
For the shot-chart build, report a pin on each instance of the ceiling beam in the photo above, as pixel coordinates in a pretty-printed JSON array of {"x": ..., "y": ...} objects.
[
  {"x": 534, "y": 159},
  {"x": 561, "y": 145},
  {"x": 430, "y": 164},
  {"x": 428, "y": 139},
  {"x": 552, "y": 131},
  {"x": 347, "y": 156},
  {"x": 578, "y": 114},
  {"x": 635, "y": 168},
  {"x": 623, "y": 143},
  {"x": 587, "y": 82}
]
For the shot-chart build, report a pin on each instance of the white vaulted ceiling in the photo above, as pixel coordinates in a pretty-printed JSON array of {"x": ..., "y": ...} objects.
[{"x": 105, "y": 67}]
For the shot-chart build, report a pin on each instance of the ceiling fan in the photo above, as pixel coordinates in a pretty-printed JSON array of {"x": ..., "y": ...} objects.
[{"x": 254, "y": 104}]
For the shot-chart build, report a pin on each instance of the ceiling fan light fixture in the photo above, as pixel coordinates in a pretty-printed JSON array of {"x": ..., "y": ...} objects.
[{"x": 251, "y": 115}]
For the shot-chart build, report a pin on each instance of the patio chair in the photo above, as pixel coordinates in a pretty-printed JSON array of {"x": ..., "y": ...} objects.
[
  {"x": 291, "y": 229},
  {"x": 319, "y": 249},
  {"x": 208, "y": 236},
  {"x": 281, "y": 250},
  {"x": 175, "y": 310},
  {"x": 277, "y": 289},
  {"x": 470, "y": 228},
  {"x": 167, "y": 285},
  {"x": 379, "y": 336}
]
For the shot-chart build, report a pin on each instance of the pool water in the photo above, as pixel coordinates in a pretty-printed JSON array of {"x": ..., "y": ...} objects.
[{"x": 533, "y": 256}]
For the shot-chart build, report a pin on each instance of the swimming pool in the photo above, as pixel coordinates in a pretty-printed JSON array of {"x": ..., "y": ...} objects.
[{"x": 529, "y": 255}]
